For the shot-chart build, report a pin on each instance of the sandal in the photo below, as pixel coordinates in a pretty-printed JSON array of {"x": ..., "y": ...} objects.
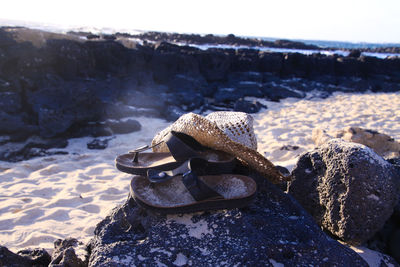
[
  {"x": 194, "y": 191},
  {"x": 182, "y": 147},
  {"x": 202, "y": 167}
]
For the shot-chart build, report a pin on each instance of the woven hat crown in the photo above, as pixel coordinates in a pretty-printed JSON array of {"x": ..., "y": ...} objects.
[
  {"x": 231, "y": 132},
  {"x": 237, "y": 125}
]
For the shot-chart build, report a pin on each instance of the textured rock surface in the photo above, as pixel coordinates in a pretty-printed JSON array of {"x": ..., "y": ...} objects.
[
  {"x": 273, "y": 230},
  {"x": 276, "y": 93},
  {"x": 349, "y": 189},
  {"x": 37, "y": 257},
  {"x": 98, "y": 143},
  {"x": 8, "y": 258},
  {"x": 33, "y": 147},
  {"x": 24, "y": 258},
  {"x": 67, "y": 254},
  {"x": 387, "y": 240},
  {"x": 122, "y": 127},
  {"x": 248, "y": 106}
]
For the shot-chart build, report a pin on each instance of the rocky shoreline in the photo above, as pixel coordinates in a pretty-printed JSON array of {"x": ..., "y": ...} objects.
[
  {"x": 228, "y": 40},
  {"x": 58, "y": 86},
  {"x": 274, "y": 229}
]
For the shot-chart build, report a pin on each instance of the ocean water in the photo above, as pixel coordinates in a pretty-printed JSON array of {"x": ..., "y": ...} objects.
[
  {"x": 337, "y": 44},
  {"x": 348, "y": 45},
  {"x": 343, "y": 53}
]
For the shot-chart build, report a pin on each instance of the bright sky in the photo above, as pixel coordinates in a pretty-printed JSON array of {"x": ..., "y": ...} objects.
[{"x": 340, "y": 20}]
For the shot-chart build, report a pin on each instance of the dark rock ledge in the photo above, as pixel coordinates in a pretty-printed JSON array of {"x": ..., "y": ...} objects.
[
  {"x": 274, "y": 229},
  {"x": 58, "y": 86}
]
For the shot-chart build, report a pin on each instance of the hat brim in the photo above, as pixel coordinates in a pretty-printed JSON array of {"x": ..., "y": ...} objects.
[{"x": 208, "y": 134}]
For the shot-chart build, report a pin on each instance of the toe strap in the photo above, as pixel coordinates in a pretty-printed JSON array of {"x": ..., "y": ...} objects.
[
  {"x": 197, "y": 188},
  {"x": 182, "y": 146}
]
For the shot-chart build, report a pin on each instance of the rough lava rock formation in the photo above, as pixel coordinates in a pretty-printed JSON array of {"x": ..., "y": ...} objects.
[
  {"x": 273, "y": 230},
  {"x": 349, "y": 189}
]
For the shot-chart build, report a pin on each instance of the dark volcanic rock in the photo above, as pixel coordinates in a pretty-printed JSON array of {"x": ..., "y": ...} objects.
[
  {"x": 188, "y": 101},
  {"x": 355, "y": 53},
  {"x": 8, "y": 258},
  {"x": 395, "y": 162},
  {"x": 10, "y": 102},
  {"x": 110, "y": 37},
  {"x": 226, "y": 95},
  {"x": 276, "y": 93},
  {"x": 394, "y": 245},
  {"x": 74, "y": 61},
  {"x": 349, "y": 189},
  {"x": 294, "y": 44},
  {"x": 92, "y": 36},
  {"x": 37, "y": 257},
  {"x": 33, "y": 147},
  {"x": 283, "y": 170},
  {"x": 251, "y": 76},
  {"x": 51, "y": 84},
  {"x": 387, "y": 240},
  {"x": 297, "y": 64},
  {"x": 169, "y": 60},
  {"x": 28, "y": 153},
  {"x": 16, "y": 125},
  {"x": 289, "y": 148},
  {"x": 182, "y": 83},
  {"x": 144, "y": 100},
  {"x": 249, "y": 88},
  {"x": 215, "y": 64},
  {"x": 172, "y": 113},
  {"x": 271, "y": 62},
  {"x": 230, "y": 39},
  {"x": 54, "y": 122},
  {"x": 58, "y": 108},
  {"x": 248, "y": 106},
  {"x": 245, "y": 60},
  {"x": 24, "y": 258},
  {"x": 91, "y": 129},
  {"x": 65, "y": 254},
  {"x": 109, "y": 57},
  {"x": 274, "y": 229},
  {"x": 98, "y": 144},
  {"x": 124, "y": 126}
]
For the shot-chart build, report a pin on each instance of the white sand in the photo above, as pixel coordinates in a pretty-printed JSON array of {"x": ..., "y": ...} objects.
[
  {"x": 61, "y": 196},
  {"x": 67, "y": 195},
  {"x": 291, "y": 122}
]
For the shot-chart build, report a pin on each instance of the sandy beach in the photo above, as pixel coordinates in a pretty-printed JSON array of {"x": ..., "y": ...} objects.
[
  {"x": 62, "y": 196},
  {"x": 290, "y": 122}
]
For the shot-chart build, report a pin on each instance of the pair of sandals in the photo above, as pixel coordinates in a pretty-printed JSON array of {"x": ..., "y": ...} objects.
[{"x": 189, "y": 178}]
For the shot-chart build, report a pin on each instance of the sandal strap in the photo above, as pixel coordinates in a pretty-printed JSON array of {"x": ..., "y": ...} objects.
[
  {"x": 158, "y": 176},
  {"x": 182, "y": 146},
  {"x": 197, "y": 188},
  {"x": 199, "y": 165},
  {"x": 204, "y": 167},
  {"x": 141, "y": 149}
]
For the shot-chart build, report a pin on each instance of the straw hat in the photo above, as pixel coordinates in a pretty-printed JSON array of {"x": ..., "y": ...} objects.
[{"x": 231, "y": 132}]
